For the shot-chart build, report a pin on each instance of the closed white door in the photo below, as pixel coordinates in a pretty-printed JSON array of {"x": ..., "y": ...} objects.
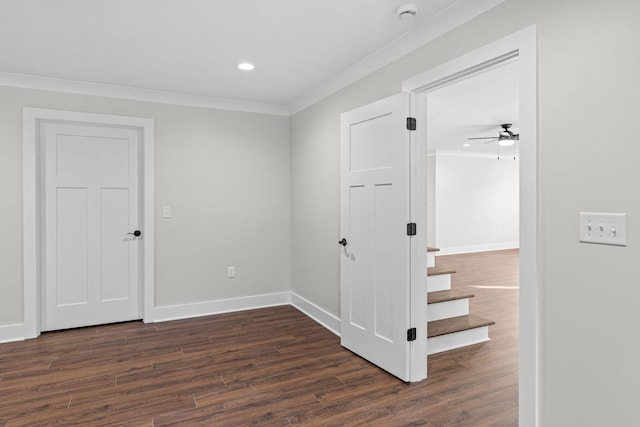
[
  {"x": 90, "y": 206},
  {"x": 375, "y": 210}
]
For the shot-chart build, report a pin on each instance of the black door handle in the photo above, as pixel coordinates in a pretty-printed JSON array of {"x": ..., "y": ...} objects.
[
  {"x": 135, "y": 233},
  {"x": 343, "y": 242}
]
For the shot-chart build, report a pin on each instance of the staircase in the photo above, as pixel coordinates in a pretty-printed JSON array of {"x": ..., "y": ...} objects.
[{"x": 449, "y": 323}]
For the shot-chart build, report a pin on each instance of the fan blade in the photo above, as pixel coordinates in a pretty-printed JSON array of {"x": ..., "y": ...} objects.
[
  {"x": 492, "y": 140},
  {"x": 485, "y": 137}
]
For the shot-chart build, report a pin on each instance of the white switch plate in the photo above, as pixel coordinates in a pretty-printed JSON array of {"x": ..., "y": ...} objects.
[
  {"x": 603, "y": 228},
  {"x": 166, "y": 212},
  {"x": 231, "y": 271}
]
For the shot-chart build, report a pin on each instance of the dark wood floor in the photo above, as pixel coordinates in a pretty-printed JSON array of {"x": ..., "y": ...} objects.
[{"x": 271, "y": 366}]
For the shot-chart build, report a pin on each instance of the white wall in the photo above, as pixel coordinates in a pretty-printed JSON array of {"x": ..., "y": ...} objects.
[
  {"x": 588, "y": 62},
  {"x": 225, "y": 174},
  {"x": 431, "y": 200},
  {"x": 476, "y": 203}
]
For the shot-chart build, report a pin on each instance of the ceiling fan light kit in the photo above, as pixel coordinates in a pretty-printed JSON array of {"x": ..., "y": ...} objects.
[
  {"x": 505, "y": 138},
  {"x": 506, "y": 142}
]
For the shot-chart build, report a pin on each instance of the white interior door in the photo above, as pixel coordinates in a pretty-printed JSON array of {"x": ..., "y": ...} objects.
[
  {"x": 375, "y": 210},
  {"x": 90, "y": 205}
]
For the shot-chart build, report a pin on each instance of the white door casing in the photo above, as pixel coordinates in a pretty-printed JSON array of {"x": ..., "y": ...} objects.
[
  {"x": 33, "y": 208},
  {"x": 91, "y": 264},
  {"x": 523, "y": 46},
  {"x": 375, "y": 209}
]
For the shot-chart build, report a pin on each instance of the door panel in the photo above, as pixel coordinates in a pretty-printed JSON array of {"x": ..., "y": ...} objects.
[
  {"x": 374, "y": 266},
  {"x": 90, "y": 204},
  {"x": 358, "y": 292},
  {"x": 71, "y": 270},
  {"x": 384, "y": 260},
  {"x": 90, "y": 156},
  {"x": 371, "y": 143},
  {"x": 114, "y": 255}
]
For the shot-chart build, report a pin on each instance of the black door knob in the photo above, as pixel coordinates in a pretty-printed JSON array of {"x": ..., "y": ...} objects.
[
  {"x": 343, "y": 242},
  {"x": 135, "y": 233}
]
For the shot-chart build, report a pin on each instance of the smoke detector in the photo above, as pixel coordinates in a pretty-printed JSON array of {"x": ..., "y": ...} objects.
[{"x": 407, "y": 11}]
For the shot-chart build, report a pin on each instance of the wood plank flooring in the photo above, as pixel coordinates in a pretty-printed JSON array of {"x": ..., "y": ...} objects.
[{"x": 272, "y": 367}]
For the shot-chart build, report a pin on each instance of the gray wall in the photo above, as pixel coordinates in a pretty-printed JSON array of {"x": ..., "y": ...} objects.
[
  {"x": 588, "y": 62},
  {"x": 225, "y": 174},
  {"x": 224, "y": 171}
]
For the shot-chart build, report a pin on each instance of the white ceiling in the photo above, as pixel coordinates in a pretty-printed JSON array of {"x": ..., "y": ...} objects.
[
  {"x": 475, "y": 107},
  {"x": 192, "y": 47}
]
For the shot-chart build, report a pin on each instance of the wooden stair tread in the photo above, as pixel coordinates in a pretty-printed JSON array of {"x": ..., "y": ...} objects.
[
  {"x": 430, "y": 249},
  {"x": 449, "y": 295},
  {"x": 456, "y": 324},
  {"x": 436, "y": 271}
]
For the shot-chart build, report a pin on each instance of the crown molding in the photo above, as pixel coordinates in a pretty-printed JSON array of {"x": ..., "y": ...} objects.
[
  {"x": 445, "y": 21},
  {"x": 452, "y": 17},
  {"x": 137, "y": 94}
]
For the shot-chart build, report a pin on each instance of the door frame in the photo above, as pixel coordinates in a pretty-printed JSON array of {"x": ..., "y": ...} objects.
[
  {"x": 33, "y": 212},
  {"x": 522, "y": 46}
]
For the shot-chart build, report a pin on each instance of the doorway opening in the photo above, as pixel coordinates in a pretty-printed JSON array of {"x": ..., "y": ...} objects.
[
  {"x": 473, "y": 183},
  {"x": 473, "y": 186},
  {"x": 519, "y": 48}
]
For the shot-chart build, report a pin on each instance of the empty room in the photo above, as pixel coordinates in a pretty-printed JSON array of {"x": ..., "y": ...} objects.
[{"x": 293, "y": 213}]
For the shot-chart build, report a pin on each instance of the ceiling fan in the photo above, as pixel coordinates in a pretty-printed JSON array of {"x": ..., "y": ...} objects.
[{"x": 505, "y": 137}]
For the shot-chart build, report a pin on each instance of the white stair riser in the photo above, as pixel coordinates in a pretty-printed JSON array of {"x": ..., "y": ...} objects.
[
  {"x": 447, "y": 309},
  {"x": 457, "y": 339},
  {"x": 431, "y": 259},
  {"x": 441, "y": 282}
]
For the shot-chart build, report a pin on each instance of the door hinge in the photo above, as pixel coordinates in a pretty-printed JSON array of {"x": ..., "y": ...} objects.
[
  {"x": 411, "y": 334},
  {"x": 411, "y": 123},
  {"x": 411, "y": 229}
]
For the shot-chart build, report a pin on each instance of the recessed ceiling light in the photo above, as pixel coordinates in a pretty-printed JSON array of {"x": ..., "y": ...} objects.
[
  {"x": 466, "y": 145},
  {"x": 246, "y": 66}
]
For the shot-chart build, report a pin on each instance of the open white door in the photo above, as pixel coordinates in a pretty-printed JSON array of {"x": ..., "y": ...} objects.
[{"x": 375, "y": 212}]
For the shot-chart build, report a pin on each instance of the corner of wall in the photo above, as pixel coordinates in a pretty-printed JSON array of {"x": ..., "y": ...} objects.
[{"x": 316, "y": 313}]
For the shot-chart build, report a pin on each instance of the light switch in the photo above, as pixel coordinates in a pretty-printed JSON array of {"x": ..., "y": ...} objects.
[
  {"x": 166, "y": 212},
  {"x": 603, "y": 228}
]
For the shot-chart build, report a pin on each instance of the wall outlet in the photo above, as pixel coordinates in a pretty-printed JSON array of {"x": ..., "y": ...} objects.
[
  {"x": 603, "y": 228},
  {"x": 231, "y": 271}
]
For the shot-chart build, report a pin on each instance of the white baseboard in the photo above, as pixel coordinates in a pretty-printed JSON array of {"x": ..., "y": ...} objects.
[
  {"x": 9, "y": 333},
  {"x": 318, "y": 314},
  {"x": 478, "y": 248},
  {"x": 16, "y": 332},
  {"x": 207, "y": 308}
]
